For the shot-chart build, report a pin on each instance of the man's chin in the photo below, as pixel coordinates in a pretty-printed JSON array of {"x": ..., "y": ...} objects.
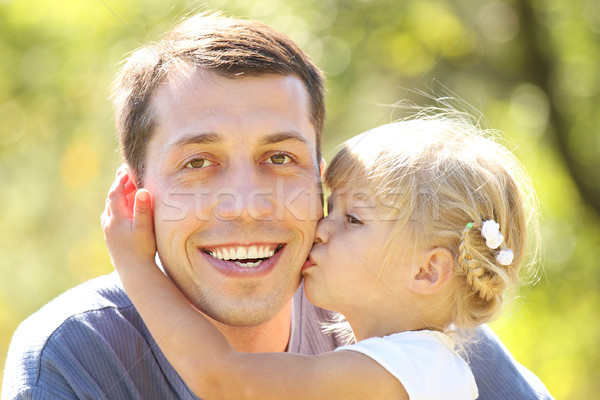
[{"x": 249, "y": 312}]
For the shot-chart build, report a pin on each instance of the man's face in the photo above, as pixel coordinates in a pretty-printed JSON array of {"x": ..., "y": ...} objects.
[{"x": 233, "y": 174}]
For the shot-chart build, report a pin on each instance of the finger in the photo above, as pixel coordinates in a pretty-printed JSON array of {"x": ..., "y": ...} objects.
[
  {"x": 106, "y": 212},
  {"x": 142, "y": 218},
  {"x": 121, "y": 170},
  {"x": 129, "y": 193},
  {"x": 117, "y": 182},
  {"x": 116, "y": 203},
  {"x": 105, "y": 216},
  {"x": 105, "y": 220}
]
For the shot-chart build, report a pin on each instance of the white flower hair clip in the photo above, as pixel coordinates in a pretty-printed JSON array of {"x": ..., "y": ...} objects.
[
  {"x": 505, "y": 257},
  {"x": 490, "y": 230}
]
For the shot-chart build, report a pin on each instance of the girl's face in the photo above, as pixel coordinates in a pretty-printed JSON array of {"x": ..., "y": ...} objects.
[{"x": 345, "y": 271}]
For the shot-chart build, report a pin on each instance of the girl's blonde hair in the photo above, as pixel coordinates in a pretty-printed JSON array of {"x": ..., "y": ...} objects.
[{"x": 440, "y": 176}]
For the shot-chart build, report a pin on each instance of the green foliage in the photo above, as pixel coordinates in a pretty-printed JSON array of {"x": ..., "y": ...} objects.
[{"x": 529, "y": 66}]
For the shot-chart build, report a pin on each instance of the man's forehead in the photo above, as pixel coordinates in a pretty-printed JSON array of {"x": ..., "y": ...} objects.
[
  {"x": 187, "y": 83},
  {"x": 199, "y": 103}
]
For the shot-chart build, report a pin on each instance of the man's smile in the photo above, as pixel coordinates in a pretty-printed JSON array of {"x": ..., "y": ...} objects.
[{"x": 249, "y": 256}]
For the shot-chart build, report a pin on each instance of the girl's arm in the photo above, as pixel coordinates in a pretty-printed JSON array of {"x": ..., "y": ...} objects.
[{"x": 199, "y": 352}]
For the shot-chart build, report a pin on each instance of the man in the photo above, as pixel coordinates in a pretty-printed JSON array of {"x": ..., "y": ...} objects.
[{"x": 221, "y": 122}]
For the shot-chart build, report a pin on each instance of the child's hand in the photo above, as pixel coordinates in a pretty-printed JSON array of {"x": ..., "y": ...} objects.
[{"x": 128, "y": 229}]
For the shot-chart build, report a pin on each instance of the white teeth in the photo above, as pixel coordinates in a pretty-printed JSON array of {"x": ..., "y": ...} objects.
[
  {"x": 248, "y": 265},
  {"x": 243, "y": 253},
  {"x": 253, "y": 252},
  {"x": 265, "y": 252}
]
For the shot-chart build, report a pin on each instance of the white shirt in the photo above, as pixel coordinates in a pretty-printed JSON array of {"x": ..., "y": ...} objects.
[{"x": 424, "y": 362}]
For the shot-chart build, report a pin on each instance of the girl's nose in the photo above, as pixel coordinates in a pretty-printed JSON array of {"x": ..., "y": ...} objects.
[{"x": 322, "y": 233}]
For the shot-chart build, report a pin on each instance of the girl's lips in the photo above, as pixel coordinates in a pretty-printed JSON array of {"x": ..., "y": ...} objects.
[{"x": 308, "y": 263}]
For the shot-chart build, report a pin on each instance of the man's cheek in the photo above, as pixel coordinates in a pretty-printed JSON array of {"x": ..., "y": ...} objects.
[
  {"x": 299, "y": 202},
  {"x": 180, "y": 206}
]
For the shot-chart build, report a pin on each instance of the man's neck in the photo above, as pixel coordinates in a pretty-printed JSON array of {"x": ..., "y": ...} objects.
[{"x": 272, "y": 336}]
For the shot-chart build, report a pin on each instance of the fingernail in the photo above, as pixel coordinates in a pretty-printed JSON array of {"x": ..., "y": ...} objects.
[{"x": 143, "y": 196}]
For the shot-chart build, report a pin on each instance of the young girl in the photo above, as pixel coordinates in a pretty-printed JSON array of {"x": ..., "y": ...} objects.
[{"x": 425, "y": 231}]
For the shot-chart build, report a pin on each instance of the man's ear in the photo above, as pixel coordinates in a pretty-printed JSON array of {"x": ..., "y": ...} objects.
[
  {"x": 435, "y": 270},
  {"x": 321, "y": 167}
]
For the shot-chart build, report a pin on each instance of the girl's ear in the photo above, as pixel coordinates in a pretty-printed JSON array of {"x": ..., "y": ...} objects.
[
  {"x": 321, "y": 167},
  {"x": 435, "y": 270}
]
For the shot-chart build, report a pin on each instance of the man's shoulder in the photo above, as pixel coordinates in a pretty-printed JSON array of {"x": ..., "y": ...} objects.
[
  {"x": 66, "y": 329},
  {"x": 87, "y": 303},
  {"x": 497, "y": 373}
]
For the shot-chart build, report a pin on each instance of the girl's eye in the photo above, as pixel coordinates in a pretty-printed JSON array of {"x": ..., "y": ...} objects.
[
  {"x": 353, "y": 220},
  {"x": 199, "y": 163},
  {"x": 279, "y": 159}
]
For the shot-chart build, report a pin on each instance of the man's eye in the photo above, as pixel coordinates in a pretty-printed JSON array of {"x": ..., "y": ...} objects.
[
  {"x": 198, "y": 163},
  {"x": 279, "y": 159},
  {"x": 353, "y": 220}
]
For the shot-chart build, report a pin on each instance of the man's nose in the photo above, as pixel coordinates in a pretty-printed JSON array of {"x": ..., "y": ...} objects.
[{"x": 244, "y": 194}]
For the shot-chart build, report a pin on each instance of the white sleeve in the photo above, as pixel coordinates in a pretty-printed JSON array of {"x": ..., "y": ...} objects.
[{"x": 423, "y": 362}]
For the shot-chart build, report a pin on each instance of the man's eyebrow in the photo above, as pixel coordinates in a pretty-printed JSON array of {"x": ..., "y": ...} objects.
[
  {"x": 282, "y": 137},
  {"x": 198, "y": 138}
]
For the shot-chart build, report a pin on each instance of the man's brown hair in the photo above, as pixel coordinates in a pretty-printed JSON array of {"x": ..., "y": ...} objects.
[{"x": 226, "y": 46}]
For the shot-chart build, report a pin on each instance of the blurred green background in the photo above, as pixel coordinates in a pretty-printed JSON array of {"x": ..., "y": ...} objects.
[{"x": 531, "y": 67}]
